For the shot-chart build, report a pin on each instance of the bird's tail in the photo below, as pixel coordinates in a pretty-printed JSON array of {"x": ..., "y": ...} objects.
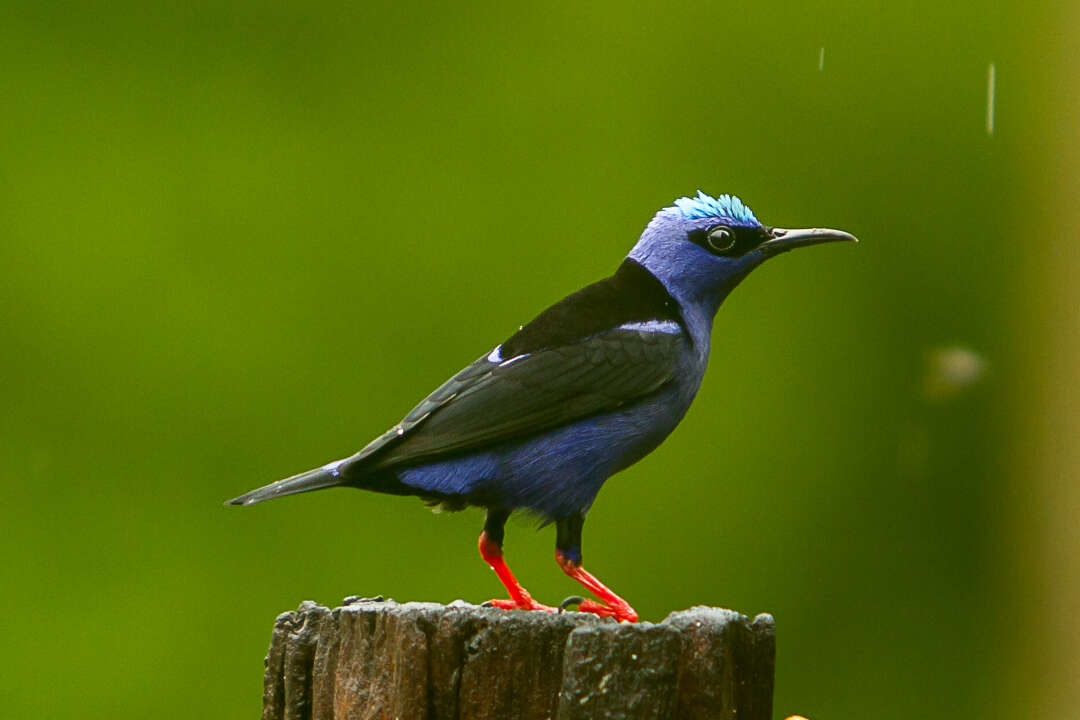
[{"x": 316, "y": 479}]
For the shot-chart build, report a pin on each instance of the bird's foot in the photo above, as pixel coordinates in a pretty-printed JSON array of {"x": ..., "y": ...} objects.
[
  {"x": 526, "y": 603},
  {"x": 620, "y": 611}
]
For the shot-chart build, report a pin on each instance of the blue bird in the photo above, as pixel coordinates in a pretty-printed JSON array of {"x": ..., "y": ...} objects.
[{"x": 589, "y": 387}]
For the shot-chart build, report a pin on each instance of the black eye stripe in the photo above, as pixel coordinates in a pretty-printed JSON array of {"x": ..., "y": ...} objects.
[{"x": 725, "y": 240}]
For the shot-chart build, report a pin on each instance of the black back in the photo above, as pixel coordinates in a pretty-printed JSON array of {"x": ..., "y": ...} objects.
[{"x": 632, "y": 294}]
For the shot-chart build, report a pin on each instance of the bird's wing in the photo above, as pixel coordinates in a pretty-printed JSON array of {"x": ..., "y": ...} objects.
[{"x": 491, "y": 401}]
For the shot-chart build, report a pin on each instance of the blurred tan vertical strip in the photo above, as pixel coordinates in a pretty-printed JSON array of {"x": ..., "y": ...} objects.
[{"x": 1045, "y": 678}]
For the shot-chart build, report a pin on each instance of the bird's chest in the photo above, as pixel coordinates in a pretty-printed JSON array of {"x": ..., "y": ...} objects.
[{"x": 616, "y": 440}]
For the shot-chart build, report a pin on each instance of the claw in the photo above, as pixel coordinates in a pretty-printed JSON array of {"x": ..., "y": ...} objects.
[
  {"x": 612, "y": 605},
  {"x": 598, "y": 608},
  {"x": 572, "y": 600}
]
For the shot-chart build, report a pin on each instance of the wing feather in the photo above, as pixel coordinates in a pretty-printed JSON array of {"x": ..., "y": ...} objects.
[{"x": 488, "y": 403}]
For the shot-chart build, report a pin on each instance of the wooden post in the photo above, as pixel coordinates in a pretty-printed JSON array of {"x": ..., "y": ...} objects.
[{"x": 377, "y": 659}]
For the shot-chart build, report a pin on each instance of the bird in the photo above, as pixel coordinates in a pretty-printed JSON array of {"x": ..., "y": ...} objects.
[{"x": 586, "y": 389}]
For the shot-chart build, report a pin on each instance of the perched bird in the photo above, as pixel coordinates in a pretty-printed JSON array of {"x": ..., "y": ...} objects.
[{"x": 589, "y": 387}]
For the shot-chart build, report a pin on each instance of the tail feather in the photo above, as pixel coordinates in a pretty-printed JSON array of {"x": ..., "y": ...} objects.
[{"x": 316, "y": 479}]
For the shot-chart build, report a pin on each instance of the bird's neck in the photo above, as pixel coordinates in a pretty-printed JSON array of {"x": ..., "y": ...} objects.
[
  {"x": 699, "y": 299},
  {"x": 698, "y": 313}
]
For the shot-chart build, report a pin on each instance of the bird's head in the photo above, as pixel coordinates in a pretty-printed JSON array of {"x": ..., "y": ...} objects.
[{"x": 701, "y": 247}]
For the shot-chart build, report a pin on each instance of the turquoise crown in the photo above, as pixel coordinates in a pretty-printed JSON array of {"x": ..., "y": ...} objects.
[{"x": 726, "y": 206}]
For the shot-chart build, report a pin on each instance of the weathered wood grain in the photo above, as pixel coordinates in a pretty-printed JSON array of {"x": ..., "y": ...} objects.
[{"x": 381, "y": 660}]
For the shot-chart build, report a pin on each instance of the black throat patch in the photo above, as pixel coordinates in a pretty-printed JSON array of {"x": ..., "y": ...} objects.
[{"x": 632, "y": 294}]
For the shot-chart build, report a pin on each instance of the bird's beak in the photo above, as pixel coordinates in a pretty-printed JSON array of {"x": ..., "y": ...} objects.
[{"x": 783, "y": 240}]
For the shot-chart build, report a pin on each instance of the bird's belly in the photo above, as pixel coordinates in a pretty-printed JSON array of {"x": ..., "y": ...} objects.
[{"x": 557, "y": 473}]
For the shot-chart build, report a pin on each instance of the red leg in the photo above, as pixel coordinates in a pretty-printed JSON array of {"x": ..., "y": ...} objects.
[
  {"x": 612, "y": 606},
  {"x": 520, "y": 599}
]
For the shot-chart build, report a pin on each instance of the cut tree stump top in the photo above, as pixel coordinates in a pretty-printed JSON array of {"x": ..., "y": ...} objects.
[{"x": 376, "y": 659}]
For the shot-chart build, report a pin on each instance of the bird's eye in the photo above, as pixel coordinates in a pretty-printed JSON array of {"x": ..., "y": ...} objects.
[{"x": 721, "y": 239}]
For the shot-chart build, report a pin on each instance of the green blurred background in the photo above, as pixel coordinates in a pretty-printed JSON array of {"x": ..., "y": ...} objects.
[{"x": 237, "y": 241}]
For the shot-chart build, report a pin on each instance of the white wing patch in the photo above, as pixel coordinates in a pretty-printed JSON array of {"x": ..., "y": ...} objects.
[
  {"x": 495, "y": 356},
  {"x": 332, "y": 468},
  {"x": 513, "y": 360},
  {"x": 669, "y": 327}
]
